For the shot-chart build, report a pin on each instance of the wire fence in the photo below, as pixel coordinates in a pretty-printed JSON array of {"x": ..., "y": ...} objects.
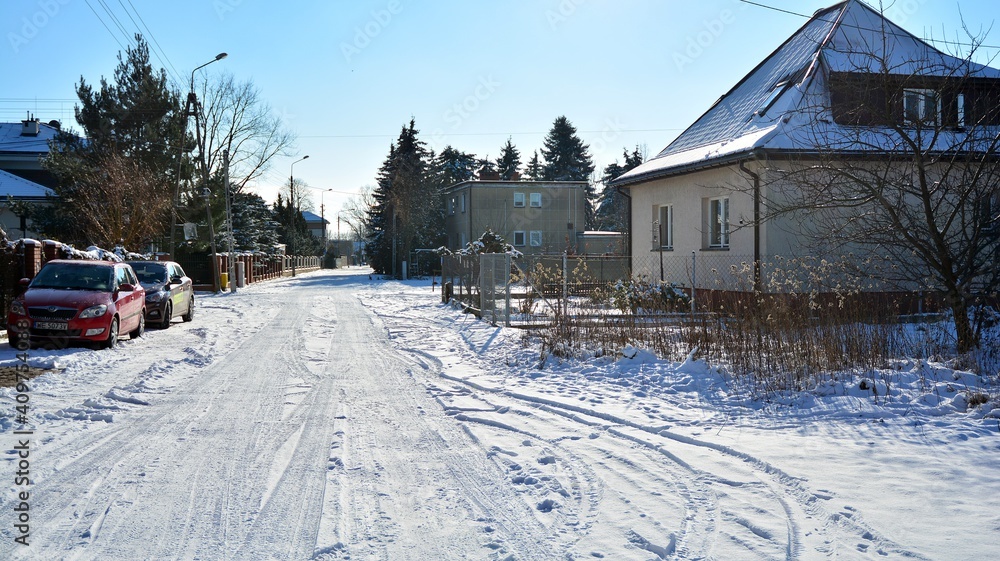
[{"x": 662, "y": 286}]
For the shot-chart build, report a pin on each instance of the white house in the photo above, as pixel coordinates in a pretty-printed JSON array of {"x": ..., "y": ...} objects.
[
  {"x": 706, "y": 194},
  {"x": 22, "y": 179}
]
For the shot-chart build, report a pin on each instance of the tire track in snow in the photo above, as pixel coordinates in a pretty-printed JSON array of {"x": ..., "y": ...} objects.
[
  {"x": 808, "y": 528},
  {"x": 413, "y": 485},
  {"x": 149, "y": 443}
]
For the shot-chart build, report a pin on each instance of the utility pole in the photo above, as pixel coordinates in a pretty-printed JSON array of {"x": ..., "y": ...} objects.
[
  {"x": 229, "y": 220},
  {"x": 190, "y": 109},
  {"x": 292, "y": 210}
]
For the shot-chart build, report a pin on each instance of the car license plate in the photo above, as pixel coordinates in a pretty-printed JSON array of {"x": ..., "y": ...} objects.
[{"x": 52, "y": 325}]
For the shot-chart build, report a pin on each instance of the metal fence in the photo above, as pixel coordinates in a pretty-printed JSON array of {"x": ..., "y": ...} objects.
[
  {"x": 540, "y": 290},
  {"x": 494, "y": 287}
]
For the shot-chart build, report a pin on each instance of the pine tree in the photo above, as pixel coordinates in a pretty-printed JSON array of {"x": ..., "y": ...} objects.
[
  {"x": 612, "y": 207},
  {"x": 486, "y": 169},
  {"x": 567, "y": 158},
  {"x": 533, "y": 171},
  {"x": 254, "y": 226},
  {"x": 135, "y": 120},
  {"x": 408, "y": 213},
  {"x": 378, "y": 246},
  {"x": 453, "y": 166},
  {"x": 509, "y": 162}
]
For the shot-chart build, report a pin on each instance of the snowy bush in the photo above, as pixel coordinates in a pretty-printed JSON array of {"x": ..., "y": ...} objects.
[{"x": 637, "y": 295}]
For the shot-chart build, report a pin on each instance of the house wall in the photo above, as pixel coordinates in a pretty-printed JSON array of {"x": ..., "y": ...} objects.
[
  {"x": 490, "y": 205},
  {"x": 690, "y": 196}
]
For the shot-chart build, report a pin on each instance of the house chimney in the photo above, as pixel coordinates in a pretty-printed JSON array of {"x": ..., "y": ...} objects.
[
  {"x": 486, "y": 175},
  {"x": 29, "y": 126}
]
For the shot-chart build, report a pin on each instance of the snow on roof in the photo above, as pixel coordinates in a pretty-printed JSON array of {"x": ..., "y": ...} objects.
[
  {"x": 759, "y": 111},
  {"x": 312, "y": 217},
  {"x": 11, "y": 139},
  {"x": 20, "y": 188}
]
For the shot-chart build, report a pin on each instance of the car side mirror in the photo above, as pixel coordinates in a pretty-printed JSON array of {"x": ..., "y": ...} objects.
[
  {"x": 23, "y": 283},
  {"x": 176, "y": 279},
  {"x": 125, "y": 287}
]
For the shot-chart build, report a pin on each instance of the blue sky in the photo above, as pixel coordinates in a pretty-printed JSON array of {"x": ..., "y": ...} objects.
[{"x": 346, "y": 75}]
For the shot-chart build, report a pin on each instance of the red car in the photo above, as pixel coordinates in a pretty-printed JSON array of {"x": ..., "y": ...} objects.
[{"x": 78, "y": 301}]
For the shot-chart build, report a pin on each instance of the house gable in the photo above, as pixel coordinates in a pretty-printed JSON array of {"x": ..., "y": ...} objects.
[{"x": 806, "y": 89}]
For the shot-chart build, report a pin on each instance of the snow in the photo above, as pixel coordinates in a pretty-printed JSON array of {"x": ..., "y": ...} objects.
[{"x": 332, "y": 417}]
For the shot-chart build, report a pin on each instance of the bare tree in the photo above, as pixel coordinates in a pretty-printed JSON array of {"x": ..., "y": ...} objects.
[
  {"x": 122, "y": 201},
  {"x": 237, "y": 119},
  {"x": 900, "y": 167},
  {"x": 355, "y": 212}
]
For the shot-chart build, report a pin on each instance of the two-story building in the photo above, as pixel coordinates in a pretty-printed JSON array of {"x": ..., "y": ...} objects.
[
  {"x": 850, "y": 120},
  {"x": 23, "y": 145},
  {"x": 536, "y": 217}
]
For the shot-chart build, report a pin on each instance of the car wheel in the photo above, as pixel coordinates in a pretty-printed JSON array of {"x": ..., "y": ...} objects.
[
  {"x": 168, "y": 313},
  {"x": 112, "y": 339},
  {"x": 190, "y": 313},
  {"x": 141, "y": 328}
]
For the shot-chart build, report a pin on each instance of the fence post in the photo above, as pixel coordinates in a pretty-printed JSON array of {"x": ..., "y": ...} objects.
[
  {"x": 506, "y": 283},
  {"x": 694, "y": 278},
  {"x": 565, "y": 279}
]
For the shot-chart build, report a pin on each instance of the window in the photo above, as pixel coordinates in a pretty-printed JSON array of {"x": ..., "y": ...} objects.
[
  {"x": 772, "y": 97},
  {"x": 921, "y": 107},
  {"x": 462, "y": 203},
  {"x": 536, "y": 200},
  {"x": 451, "y": 206},
  {"x": 536, "y": 238},
  {"x": 665, "y": 227},
  {"x": 718, "y": 223},
  {"x": 121, "y": 276},
  {"x": 518, "y": 199},
  {"x": 960, "y": 102},
  {"x": 519, "y": 239}
]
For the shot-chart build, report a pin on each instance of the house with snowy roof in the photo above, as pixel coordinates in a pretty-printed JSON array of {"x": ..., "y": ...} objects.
[
  {"x": 850, "y": 90},
  {"x": 23, "y": 145}
]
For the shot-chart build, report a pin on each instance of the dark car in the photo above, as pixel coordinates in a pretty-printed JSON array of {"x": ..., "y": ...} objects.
[
  {"x": 169, "y": 292},
  {"x": 78, "y": 301}
]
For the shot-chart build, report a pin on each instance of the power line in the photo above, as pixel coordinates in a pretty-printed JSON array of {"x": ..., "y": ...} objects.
[
  {"x": 486, "y": 133},
  {"x": 153, "y": 37},
  {"x": 117, "y": 23},
  {"x": 98, "y": 16},
  {"x": 858, "y": 27}
]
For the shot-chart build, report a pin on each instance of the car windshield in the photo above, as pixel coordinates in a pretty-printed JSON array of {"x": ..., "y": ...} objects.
[
  {"x": 74, "y": 276},
  {"x": 150, "y": 273}
]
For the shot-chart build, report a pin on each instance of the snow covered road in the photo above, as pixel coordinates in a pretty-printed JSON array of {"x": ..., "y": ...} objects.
[{"x": 331, "y": 417}]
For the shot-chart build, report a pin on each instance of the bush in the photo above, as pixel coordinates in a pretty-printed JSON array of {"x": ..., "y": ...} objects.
[{"x": 639, "y": 294}]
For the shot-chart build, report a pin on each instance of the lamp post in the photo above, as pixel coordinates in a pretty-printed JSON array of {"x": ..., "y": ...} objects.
[
  {"x": 322, "y": 220},
  {"x": 190, "y": 109},
  {"x": 292, "y": 210}
]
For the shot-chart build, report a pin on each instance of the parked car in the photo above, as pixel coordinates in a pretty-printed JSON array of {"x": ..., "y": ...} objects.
[
  {"x": 169, "y": 292},
  {"x": 78, "y": 301}
]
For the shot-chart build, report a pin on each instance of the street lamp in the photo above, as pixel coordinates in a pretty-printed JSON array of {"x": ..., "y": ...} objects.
[
  {"x": 190, "y": 109},
  {"x": 322, "y": 220},
  {"x": 292, "y": 210}
]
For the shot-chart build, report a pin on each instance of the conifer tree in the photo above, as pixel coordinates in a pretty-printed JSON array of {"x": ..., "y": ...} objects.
[
  {"x": 134, "y": 120},
  {"x": 567, "y": 158},
  {"x": 486, "y": 169},
  {"x": 509, "y": 162},
  {"x": 612, "y": 207},
  {"x": 408, "y": 214},
  {"x": 533, "y": 171},
  {"x": 453, "y": 166},
  {"x": 254, "y": 226}
]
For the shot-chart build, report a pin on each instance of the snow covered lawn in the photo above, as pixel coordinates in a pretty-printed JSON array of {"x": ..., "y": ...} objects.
[{"x": 332, "y": 417}]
